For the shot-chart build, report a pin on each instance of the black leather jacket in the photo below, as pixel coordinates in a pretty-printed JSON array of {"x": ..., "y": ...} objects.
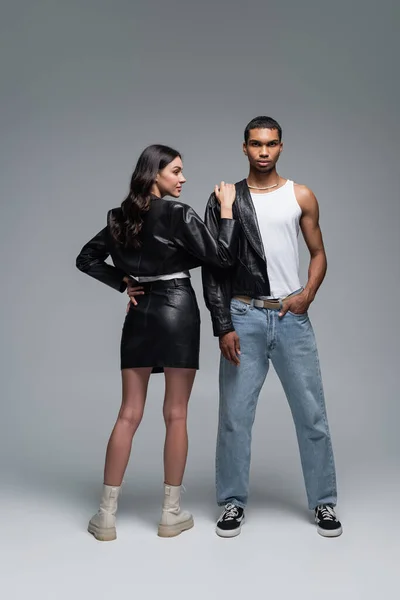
[
  {"x": 248, "y": 276},
  {"x": 174, "y": 239}
]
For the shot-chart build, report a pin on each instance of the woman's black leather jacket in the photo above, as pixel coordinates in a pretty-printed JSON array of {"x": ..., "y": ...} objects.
[{"x": 174, "y": 239}]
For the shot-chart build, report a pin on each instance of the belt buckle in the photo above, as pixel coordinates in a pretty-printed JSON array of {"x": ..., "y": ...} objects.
[{"x": 271, "y": 304}]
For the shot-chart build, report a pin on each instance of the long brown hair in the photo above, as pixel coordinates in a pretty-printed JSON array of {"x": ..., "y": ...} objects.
[{"x": 127, "y": 228}]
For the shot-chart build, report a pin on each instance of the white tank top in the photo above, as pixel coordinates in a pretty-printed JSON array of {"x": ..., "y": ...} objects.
[{"x": 278, "y": 214}]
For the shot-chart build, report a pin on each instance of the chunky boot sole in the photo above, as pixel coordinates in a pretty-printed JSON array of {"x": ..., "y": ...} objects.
[
  {"x": 167, "y": 531},
  {"x": 103, "y": 534}
]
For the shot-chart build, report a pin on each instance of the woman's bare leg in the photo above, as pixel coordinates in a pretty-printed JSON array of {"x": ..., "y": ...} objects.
[
  {"x": 178, "y": 387},
  {"x": 134, "y": 390}
]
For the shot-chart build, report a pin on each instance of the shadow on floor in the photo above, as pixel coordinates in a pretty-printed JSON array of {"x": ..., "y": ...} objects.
[{"x": 141, "y": 500}]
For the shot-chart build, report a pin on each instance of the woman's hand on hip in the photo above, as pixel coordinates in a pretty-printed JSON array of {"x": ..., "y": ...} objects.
[{"x": 133, "y": 290}]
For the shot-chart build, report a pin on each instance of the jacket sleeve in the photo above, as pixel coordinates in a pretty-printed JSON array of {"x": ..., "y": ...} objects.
[
  {"x": 91, "y": 260},
  {"x": 217, "y": 247},
  {"x": 217, "y": 287}
]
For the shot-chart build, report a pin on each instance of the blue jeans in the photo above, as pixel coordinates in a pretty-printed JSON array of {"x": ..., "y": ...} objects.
[{"x": 289, "y": 342}]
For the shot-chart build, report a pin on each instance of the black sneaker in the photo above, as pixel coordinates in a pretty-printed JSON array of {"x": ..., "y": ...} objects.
[
  {"x": 230, "y": 522},
  {"x": 327, "y": 521}
]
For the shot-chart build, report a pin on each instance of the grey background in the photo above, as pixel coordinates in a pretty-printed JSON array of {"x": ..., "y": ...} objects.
[{"x": 85, "y": 87}]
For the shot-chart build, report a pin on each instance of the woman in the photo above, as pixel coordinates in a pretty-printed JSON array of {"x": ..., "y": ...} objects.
[{"x": 155, "y": 242}]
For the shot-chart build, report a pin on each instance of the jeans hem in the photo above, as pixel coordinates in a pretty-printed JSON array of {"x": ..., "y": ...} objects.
[
  {"x": 230, "y": 501},
  {"x": 332, "y": 503}
]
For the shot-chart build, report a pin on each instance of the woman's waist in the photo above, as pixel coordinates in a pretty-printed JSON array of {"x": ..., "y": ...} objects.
[
  {"x": 165, "y": 284},
  {"x": 166, "y": 277}
]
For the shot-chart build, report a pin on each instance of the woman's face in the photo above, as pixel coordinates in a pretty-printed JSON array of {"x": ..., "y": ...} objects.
[{"x": 170, "y": 180}]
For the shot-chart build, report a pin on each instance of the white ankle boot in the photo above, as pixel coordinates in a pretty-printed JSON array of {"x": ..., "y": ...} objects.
[
  {"x": 102, "y": 524},
  {"x": 173, "y": 520}
]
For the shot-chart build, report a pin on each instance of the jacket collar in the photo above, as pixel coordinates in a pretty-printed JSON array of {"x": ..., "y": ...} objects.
[{"x": 248, "y": 218}]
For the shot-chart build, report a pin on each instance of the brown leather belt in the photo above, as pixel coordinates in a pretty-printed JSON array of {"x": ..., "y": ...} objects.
[{"x": 272, "y": 304}]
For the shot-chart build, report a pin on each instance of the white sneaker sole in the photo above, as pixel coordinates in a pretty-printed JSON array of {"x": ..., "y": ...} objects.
[
  {"x": 103, "y": 534},
  {"x": 229, "y": 533},
  {"x": 330, "y": 533},
  {"x": 167, "y": 531}
]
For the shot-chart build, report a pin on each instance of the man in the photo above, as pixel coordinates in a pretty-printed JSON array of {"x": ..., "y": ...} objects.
[{"x": 259, "y": 312}]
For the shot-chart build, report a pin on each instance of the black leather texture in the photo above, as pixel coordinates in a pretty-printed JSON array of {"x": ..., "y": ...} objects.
[
  {"x": 163, "y": 330},
  {"x": 174, "y": 238},
  {"x": 248, "y": 275}
]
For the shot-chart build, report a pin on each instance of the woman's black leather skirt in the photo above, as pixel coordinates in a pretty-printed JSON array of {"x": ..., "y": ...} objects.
[{"x": 163, "y": 330}]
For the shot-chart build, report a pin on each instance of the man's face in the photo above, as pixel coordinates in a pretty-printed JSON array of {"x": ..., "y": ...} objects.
[{"x": 263, "y": 149}]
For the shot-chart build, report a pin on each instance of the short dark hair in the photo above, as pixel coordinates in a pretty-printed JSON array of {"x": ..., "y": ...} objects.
[{"x": 262, "y": 123}]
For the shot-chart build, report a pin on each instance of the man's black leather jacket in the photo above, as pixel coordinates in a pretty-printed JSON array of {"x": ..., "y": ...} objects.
[{"x": 248, "y": 276}]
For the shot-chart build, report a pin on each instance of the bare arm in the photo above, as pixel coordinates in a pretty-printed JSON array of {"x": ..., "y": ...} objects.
[
  {"x": 312, "y": 234},
  {"x": 309, "y": 224}
]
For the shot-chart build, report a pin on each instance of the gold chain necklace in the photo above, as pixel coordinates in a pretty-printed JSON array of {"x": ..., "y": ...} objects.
[{"x": 253, "y": 187}]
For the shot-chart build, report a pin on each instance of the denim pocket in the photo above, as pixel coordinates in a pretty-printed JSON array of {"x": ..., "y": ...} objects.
[
  {"x": 238, "y": 307},
  {"x": 298, "y": 314},
  {"x": 305, "y": 314}
]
